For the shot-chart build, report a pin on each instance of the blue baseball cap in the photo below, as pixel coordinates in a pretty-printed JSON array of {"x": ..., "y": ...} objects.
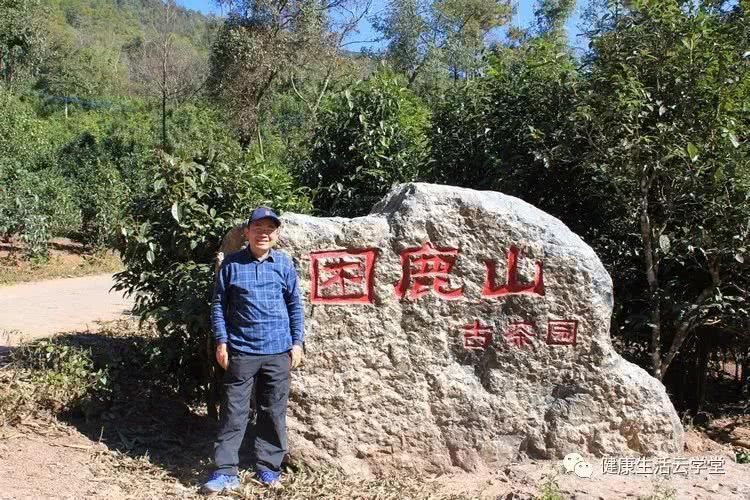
[{"x": 263, "y": 213}]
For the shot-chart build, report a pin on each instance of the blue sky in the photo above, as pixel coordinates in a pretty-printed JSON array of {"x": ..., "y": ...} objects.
[{"x": 524, "y": 16}]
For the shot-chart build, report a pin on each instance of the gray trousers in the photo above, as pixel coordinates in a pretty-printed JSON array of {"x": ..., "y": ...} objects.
[{"x": 269, "y": 436}]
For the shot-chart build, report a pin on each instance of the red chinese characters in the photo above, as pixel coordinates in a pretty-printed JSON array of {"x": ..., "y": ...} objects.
[
  {"x": 561, "y": 332},
  {"x": 342, "y": 276},
  {"x": 512, "y": 284},
  {"x": 427, "y": 268},
  {"x": 476, "y": 336},
  {"x": 519, "y": 333}
]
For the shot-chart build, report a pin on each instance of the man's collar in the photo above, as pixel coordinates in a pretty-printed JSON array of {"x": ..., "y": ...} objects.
[{"x": 269, "y": 255}]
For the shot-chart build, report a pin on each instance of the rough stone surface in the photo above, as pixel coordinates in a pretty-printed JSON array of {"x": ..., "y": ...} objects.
[{"x": 392, "y": 384}]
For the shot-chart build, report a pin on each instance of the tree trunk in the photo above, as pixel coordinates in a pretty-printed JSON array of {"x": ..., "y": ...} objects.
[
  {"x": 164, "y": 74},
  {"x": 686, "y": 326},
  {"x": 164, "y": 121},
  {"x": 164, "y": 99},
  {"x": 647, "y": 235},
  {"x": 739, "y": 359},
  {"x": 700, "y": 388}
]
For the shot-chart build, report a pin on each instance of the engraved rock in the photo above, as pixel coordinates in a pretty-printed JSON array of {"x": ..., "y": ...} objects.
[{"x": 453, "y": 328}]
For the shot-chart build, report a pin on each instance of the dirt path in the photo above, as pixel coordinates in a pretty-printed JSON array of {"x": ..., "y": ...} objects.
[{"x": 40, "y": 309}]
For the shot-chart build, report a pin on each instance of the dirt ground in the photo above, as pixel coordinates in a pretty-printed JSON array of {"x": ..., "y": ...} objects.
[
  {"x": 54, "y": 460},
  {"x": 42, "y": 308},
  {"x": 67, "y": 259}
]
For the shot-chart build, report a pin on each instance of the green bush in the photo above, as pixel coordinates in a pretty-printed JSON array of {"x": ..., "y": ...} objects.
[
  {"x": 50, "y": 374},
  {"x": 369, "y": 138},
  {"x": 35, "y": 206}
]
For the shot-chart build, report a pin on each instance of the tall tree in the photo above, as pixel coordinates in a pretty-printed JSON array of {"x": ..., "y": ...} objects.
[
  {"x": 447, "y": 36},
  {"x": 22, "y": 38},
  {"x": 267, "y": 43},
  {"x": 167, "y": 65},
  {"x": 551, "y": 15},
  {"x": 667, "y": 119}
]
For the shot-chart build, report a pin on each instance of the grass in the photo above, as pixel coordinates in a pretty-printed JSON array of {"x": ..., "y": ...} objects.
[
  {"x": 14, "y": 271},
  {"x": 550, "y": 489},
  {"x": 325, "y": 482},
  {"x": 48, "y": 377},
  {"x": 662, "y": 491}
]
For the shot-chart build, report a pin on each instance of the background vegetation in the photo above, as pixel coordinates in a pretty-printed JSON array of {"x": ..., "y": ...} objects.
[{"x": 140, "y": 126}]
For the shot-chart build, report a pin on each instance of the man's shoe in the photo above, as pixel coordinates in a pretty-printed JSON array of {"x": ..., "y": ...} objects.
[
  {"x": 269, "y": 478},
  {"x": 220, "y": 482}
]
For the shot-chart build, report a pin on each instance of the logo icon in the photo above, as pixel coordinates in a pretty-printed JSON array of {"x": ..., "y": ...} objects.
[{"x": 574, "y": 462}]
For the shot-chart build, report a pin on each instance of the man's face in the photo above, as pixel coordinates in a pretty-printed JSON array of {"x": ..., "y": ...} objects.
[{"x": 261, "y": 235}]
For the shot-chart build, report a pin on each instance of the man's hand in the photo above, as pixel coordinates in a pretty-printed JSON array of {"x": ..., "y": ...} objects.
[
  {"x": 222, "y": 356},
  {"x": 296, "y": 356}
]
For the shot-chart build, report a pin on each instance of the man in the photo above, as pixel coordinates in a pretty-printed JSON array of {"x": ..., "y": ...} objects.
[{"x": 258, "y": 323}]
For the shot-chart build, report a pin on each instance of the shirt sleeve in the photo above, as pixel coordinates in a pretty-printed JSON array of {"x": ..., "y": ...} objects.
[
  {"x": 219, "y": 306},
  {"x": 294, "y": 306}
]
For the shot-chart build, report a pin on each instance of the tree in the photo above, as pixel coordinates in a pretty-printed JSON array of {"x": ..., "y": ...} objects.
[
  {"x": 552, "y": 14},
  {"x": 22, "y": 39},
  {"x": 84, "y": 75},
  {"x": 512, "y": 131},
  {"x": 369, "y": 138},
  {"x": 446, "y": 36},
  {"x": 667, "y": 122},
  {"x": 266, "y": 43},
  {"x": 167, "y": 65}
]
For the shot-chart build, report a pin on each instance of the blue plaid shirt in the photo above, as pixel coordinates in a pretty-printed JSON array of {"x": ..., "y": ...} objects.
[{"x": 257, "y": 307}]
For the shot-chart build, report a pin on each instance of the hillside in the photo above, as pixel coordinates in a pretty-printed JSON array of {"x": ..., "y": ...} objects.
[{"x": 91, "y": 44}]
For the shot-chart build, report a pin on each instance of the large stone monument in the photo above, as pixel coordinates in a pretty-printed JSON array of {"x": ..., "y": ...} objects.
[{"x": 457, "y": 328}]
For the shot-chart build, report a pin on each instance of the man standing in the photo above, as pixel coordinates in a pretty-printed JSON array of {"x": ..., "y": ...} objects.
[{"x": 257, "y": 319}]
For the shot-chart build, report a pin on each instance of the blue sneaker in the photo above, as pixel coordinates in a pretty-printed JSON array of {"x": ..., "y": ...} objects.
[
  {"x": 269, "y": 478},
  {"x": 221, "y": 482}
]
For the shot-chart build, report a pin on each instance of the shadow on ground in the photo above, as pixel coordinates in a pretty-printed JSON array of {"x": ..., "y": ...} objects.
[{"x": 136, "y": 412}]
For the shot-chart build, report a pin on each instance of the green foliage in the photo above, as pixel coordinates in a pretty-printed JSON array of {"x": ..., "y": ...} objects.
[
  {"x": 662, "y": 491},
  {"x": 35, "y": 199},
  {"x": 21, "y": 38},
  {"x": 259, "y": 45},
  {"x": 36, "y": 205},
  {"x": 431, "y": 42},
  {"x": 550, "y": 489},
  {"x": 197, "y": 127},
  {"x": 664, "y": 114},
  {"x": 73, "y": 48},
  {"x": 369, "y": 138},
  {"x": 83, "y": 374},
  {"x": 512, "y": 131},
  {"x": 63, "y": 376},
  {"x": 461, "y": 138},
  {"x": 81, "y": 73},
  {"x": 552, "y": 14},
  {"x": 100, "y": 190},
  {"x": 170, "y": 238}
]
